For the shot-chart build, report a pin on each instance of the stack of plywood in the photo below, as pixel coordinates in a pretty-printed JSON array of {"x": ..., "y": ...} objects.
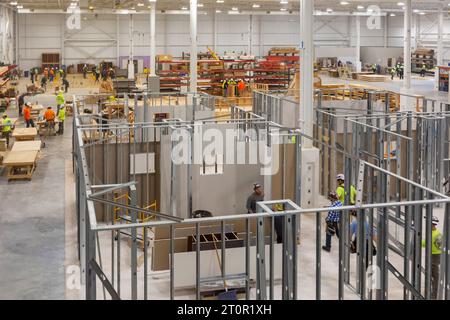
[
  {"x": 372, "y": 78},
  {"x": 283, "y": 51}
]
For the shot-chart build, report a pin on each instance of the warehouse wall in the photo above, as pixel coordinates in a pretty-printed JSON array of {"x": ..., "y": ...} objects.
[{"x": 96, "y": 41}]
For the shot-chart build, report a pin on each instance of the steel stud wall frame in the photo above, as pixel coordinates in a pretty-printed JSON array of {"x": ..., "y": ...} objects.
[{"x": 395, "y": 192}]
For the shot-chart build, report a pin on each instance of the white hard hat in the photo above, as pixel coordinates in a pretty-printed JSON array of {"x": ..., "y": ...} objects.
[
  {"x": 28, "y": 104},
  {"x": 340, "y": 177},
  {"x": 434, "y": 220}
]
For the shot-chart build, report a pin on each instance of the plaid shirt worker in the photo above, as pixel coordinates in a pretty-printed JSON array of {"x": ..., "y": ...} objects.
[{"x": 334, "y": 216}]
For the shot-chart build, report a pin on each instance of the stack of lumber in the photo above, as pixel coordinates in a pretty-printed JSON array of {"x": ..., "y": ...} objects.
[
  {"x": 106, "y": 87},
  {"x": 372, "y": 78},
  {"x": 283, "y": 51}
]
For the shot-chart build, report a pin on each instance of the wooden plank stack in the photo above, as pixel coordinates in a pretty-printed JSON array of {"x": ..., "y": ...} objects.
[{"x": 373, "y": 78}]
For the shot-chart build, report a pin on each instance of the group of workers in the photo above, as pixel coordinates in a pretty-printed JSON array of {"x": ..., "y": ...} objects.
[
  {"x": 104, "y": 72},
  {"x": 338, "y": 198},
  {"x": 239, "y": 86},
  {"x": 398, "y": 70},
  {"x": 50, "y": 75},
  {"x": 49, "y": 115}
]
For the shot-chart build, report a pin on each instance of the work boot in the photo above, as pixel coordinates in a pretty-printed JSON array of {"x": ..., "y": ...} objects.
[{"x": 327, "y": 249}]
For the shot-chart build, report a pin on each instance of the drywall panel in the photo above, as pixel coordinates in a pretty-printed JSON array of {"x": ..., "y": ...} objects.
[{"x": 141, "y": 163}]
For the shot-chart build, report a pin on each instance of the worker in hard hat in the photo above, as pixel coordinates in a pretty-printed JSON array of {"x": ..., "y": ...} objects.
[
  {"x": 27, "y": 115},
  {"x": 332, "y": 220},
  {"x": 6, "y": 128},
  {"x": 436, "y": 251},
  {"x": 340, "y": 190},
  {"x": 60, "y": 101},
  {"x": 423, "y": 70},
  {"x": 256, "y": 196},
  {"x": 49, "y": 117},
  {"x": 61, "y": 118}
]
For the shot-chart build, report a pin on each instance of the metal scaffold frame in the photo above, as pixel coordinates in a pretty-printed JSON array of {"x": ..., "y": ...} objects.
[{"x": 397, "y": 162}]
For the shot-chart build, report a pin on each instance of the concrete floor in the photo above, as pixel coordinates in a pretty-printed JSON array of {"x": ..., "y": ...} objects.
[
  {"x": 32, "y": 229},
  {"x": 419, "y": 86},
  {"x": 38, "y": 235}
]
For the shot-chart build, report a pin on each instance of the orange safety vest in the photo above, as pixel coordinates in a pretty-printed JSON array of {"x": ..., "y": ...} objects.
[
  {"x": 27, "y": 113},
  {"x": 49, "y": 115}
]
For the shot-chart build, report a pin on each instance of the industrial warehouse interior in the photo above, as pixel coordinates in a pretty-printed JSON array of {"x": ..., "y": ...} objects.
[{"x": 224, "y": 150}]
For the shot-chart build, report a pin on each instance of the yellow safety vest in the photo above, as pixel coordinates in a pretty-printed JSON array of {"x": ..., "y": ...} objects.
[
  {"x": 6, "y": 123},
  {"x": 340, "y": 191},
  {"x": 62, "y": 114},
  {"x": 436, "y": 242}
]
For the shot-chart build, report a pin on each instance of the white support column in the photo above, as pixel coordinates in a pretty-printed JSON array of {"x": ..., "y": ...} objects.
[
  {"x": 386, "y": 28},
  {"x": 309, "y": 165},
  {"x": 358, "y": 43},
  {"x": 166, "y": 47},
  {"x": 349, "y": 31},
  {"x": 118, "y": 41},
  {"x": 63, "y": 39},
  {"x": 131, "y": 55},
  {"x": 261, "y": 36},
  {"x": 306, "y": 69},
  {"x": 153, "y": 39},
  {"x": 250, "y": 35},
  {"x": 194, "y": 48},
  {"x": 407, "y": 45},
  {"x": 417, "y": 32},
  {"x": 440, "y": 38},
  {"x": 215, "y": 32},
  {"x": 16, "y": 39}
]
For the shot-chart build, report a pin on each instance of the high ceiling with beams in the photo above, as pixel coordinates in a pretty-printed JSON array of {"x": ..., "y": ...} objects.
[{"x": 224, "y": 5}]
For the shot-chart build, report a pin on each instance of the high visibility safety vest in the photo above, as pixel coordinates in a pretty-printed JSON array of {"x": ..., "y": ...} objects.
[
  {"x": 62, "y": 114},
  {"x": 60, "y": 99},
  {"x": 436, "y": 242},
  {"x": 6, "y": 125},
  {"x": 340, "y": 191}
]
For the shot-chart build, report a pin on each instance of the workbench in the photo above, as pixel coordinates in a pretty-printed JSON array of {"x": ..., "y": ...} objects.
[
  {"x": 20, "y": 164},
  {"x": 27, "y": 146},
  {"x": 24, "y": 134},
  {"x": 43, "y": 125},
  {"x": 36, "y": 110}
]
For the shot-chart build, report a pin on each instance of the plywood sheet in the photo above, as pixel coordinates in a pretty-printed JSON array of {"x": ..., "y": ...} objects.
[
  {"x": 27, "y": 146},
  {"x": 24, "y": 132},
  {"x": 20, "y": 158}
]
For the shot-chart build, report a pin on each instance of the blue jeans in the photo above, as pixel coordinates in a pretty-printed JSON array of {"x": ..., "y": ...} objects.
[
  {"x": 328, "y": 236},
  {"x": 30, "y": 123}
]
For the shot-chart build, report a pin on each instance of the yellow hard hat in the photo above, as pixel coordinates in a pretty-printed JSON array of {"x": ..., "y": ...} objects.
[{"x": 278, "y": 207}]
